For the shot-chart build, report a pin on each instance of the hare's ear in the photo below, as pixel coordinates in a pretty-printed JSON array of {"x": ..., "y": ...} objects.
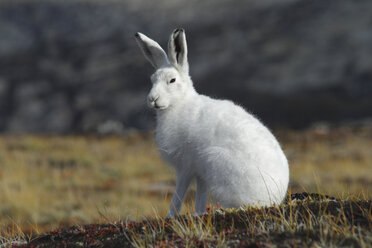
[
  {"x": 152, "y": 50},
  {"x": 177, "y": 50}
]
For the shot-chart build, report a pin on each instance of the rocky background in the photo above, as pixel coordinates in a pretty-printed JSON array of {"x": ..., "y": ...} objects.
[{"x": 73, "y": 66}]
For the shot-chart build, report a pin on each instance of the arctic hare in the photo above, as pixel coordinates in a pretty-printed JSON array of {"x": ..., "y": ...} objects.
[{"x": 230, "y": 153}]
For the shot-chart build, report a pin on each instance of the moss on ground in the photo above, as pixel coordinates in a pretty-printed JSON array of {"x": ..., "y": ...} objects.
[{"x": 307, "y": 220}]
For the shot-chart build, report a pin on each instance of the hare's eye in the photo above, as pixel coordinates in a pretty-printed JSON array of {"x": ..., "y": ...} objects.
[{"x": 172, "y": 80}]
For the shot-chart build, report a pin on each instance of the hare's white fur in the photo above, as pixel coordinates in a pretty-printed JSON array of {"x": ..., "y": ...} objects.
[{"x": 230, "y": 153}]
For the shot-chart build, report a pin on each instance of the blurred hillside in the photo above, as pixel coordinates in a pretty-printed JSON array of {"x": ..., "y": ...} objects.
[{"x": 71, "y": 66}]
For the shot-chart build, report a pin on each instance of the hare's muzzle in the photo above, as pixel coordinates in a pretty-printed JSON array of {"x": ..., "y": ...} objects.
[{"x": 152, "y": 101}]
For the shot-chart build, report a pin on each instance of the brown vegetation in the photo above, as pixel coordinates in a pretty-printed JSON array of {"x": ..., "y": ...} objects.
[{"x": 49, "y": 182}]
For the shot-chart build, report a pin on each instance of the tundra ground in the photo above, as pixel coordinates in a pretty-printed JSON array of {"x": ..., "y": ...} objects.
[{"x": 51, "y": 182}]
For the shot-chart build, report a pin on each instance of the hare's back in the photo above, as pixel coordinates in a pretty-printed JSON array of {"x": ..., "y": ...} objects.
[{"x": 224, "y": 123}]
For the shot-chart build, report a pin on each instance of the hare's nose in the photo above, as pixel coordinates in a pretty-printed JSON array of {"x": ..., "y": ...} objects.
[{"x": 153, "y": 98}]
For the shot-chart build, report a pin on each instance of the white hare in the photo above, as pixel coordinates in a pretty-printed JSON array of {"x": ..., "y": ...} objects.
[{"x": 230, "y": 153}]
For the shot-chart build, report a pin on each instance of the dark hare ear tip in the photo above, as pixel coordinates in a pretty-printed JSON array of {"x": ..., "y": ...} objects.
[
  {"x": 178, "y": 30},
  {"x": 137, "y": 34}
]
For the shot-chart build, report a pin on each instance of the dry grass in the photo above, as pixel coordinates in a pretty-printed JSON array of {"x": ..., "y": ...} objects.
[
  {"x": 48, "y": 182},
  {"x": 336, "y": 161},
  {"x": 312, "y": 221}
]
